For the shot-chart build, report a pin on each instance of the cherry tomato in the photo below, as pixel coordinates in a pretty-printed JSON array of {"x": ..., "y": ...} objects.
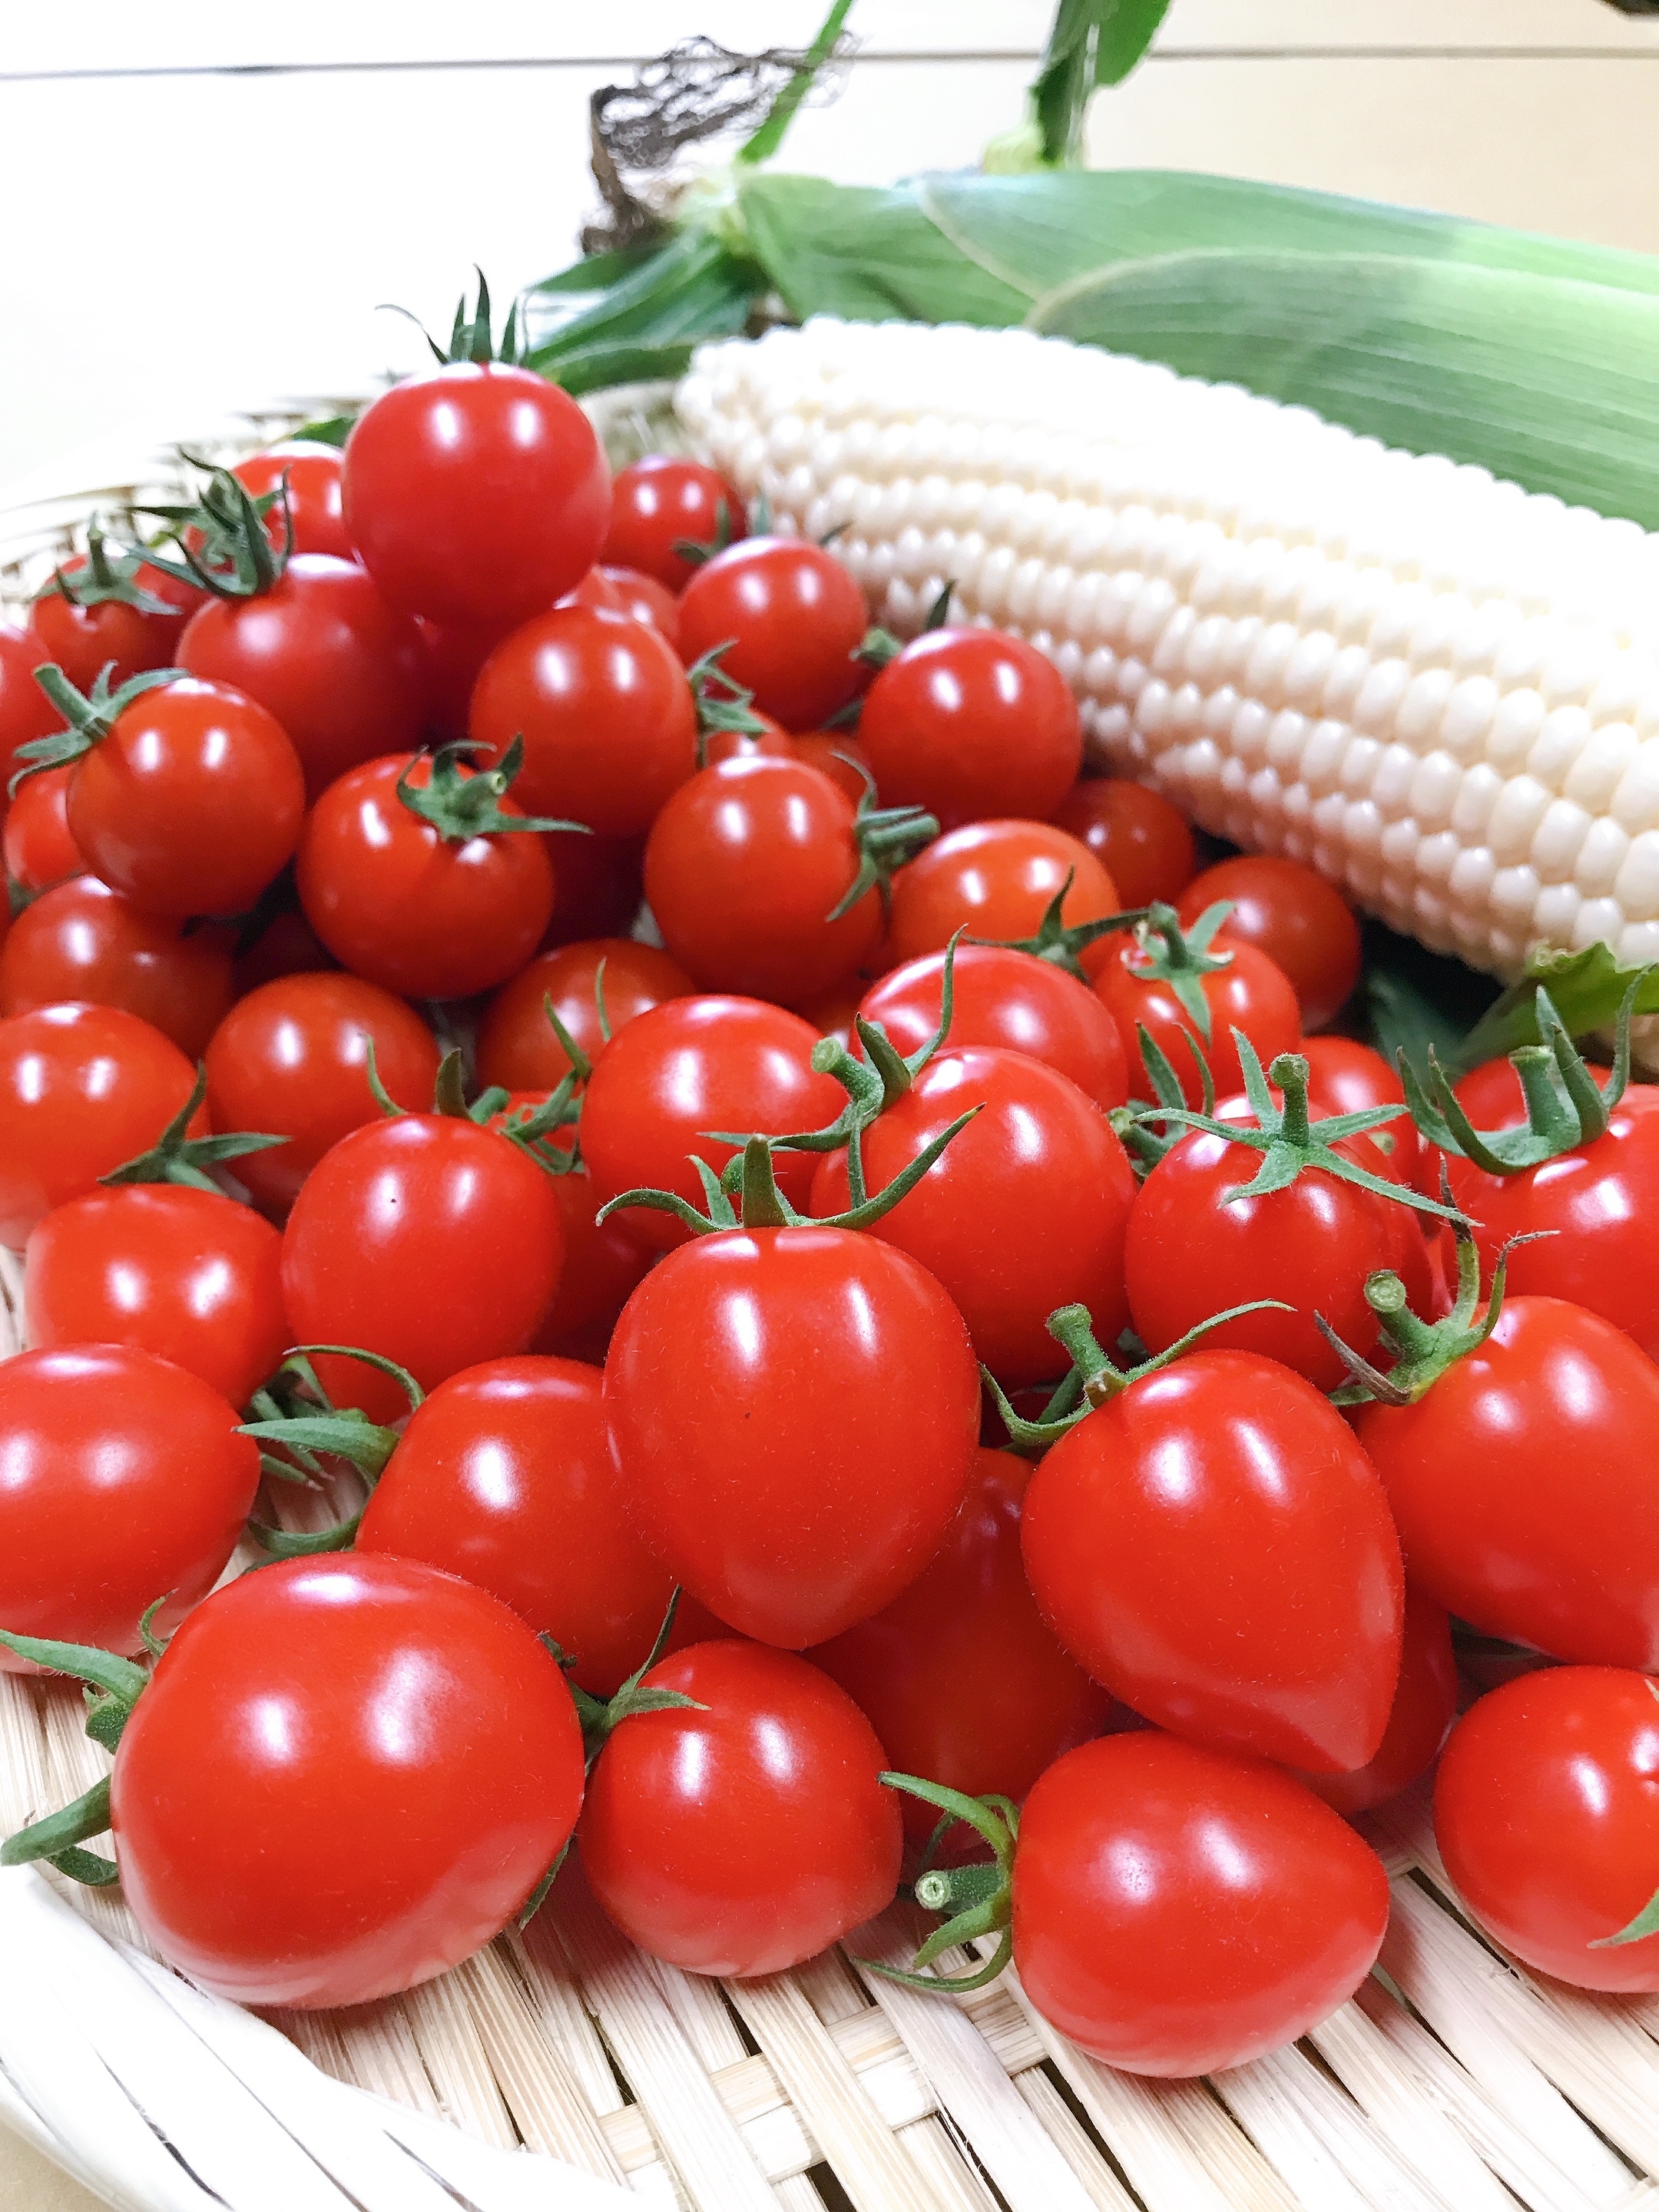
[
  {"x": 646, "y": 600},
  {"x": 192, "y": 804},
  {"x": 609, "y": 725},
  {"x": 1249, "y": 993},
  {"x": 1214, "y": 1547},
  {"x": 454, "y": 654},
  {"x": 406, "y": 906},
  {"x": 795, "y": 1412},
  {"x": 960, "y": 1676},
  {"x": 836, "y": 755},
  {"x": 1138, "y": 838},
  {"x": 833, "y": 1014},
  {"x": 83, "y": 640},
  {"x": 662, "y": 502},
  {"x": 1518, "y": 1484},
  {"x": 1287, "y": 910},
  {"x": 597, "y": 885},
  {"x": 517, "y": 1046},
  {"x": 189, "y": 1275},
  {"x": 125, "y": 1481},
  {"x": 26, "y": 713},
  {"x": 286, "y": 946},
  {"x": 84, "y": 941},
  {"x": 1343, "y": 1078},
  {"x": 427, "y": 1239},
  {"x": 771, "y": 739},
  {"x": 321, "y": 650},
  {"x": 1177, "y": 1913},
  {"x": 315, "y": 503},
  {"x": 346, "y": 1775},
  {"x": 996, "y": 880},
  {"x": 688, "y": 1067},
  {"x": 476, "y": 494},
  {"x": 601, "y": 1265},
  {"x": 596, "y": 590},
  {"x": 83, "y": 1090},
  {"x": 38, "y": 849},
  {"x": 792, "y": 619},
  {"x": 1425, "y": 1707},
  {"x": 291, "y": 1059},
  {"x": 744, "y": 1839},
  {"x": 971, "y": 724},
  {"x": 1006, "y": 999}
]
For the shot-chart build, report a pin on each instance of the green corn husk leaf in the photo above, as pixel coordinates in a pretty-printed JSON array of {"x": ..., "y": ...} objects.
[
  {"x": 1587, "y": 989},
  {"x": 333, "y": 431},
  {"x": 659, "y": 306},
  {"x": 1415, "y": 999},
  {"x": 867, "y": 253}
]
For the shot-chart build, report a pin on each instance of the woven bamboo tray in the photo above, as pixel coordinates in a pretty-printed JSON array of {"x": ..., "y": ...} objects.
[{"x": 560, "y": 2069}]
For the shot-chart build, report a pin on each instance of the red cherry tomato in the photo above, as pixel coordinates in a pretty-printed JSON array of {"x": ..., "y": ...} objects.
[
  {"x": 453, "y": 657},
  {"x": 662, "y": 502},
  {"x": 1345, "y": 1078},
  {"x": 597, "y": 885},
  {"x": 601, "y": 1265},
  {"x": 596, "y": 590},
  {"x": 833, "y": 1014},
  {"x": 292, "y": 1060},
  {"x": 38, "y": 849},
  {"x": 287, "y": 945},
  {"x": 1214, "y": 1545},
  {"x": 792, "y": 619},
  {"x": 1249, "y": 993},
  {"x": 316, "y": 507},
  {"x": 321, "y": 650},
  {"x": 795, "y": 1412},
  {"x": 996, "y": 880},
  {"x": 125, "y": 1481},
  {"x": 1142, "y": 843},
  {"x": 609, "y": 725},
  {"x": 1425, "y": 1707},
  {"x": 836, "y": 755},
  {"x": 1005, "y": 999},
  {"x": 83, "y": 640},
  {"x": 970, "y": 724},
  {"x": 744, "y": 1839},
  {"x": 1517, "y": 1483},
  {"x": 1177, "y": 1913},
  {"x": 189, "y": 1275},
  {"x": 83, "y": 1090},
  {"x": 26, "y": 713},
  {"x": 346, "y": 1775},
  {"x": 645, "y": 600},
  {"x": 1287, "y": 910},
  {"x": 689, "y": 1066},
  {"x": 84, "y": 941},
  {"x": 518, "y": 1048},
  {"x": 476, "y": 494}
]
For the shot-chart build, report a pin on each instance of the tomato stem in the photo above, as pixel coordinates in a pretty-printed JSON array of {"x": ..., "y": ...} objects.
[
  {"x": 461, "y": 804},
  {"x": 175, "y": 1158},
  {"x": 114, "y": 1687},
  {"x": 1059, "y": 943},
  {"x": 91, "y": 715},
  {"x": 1182, "y": 958},
  {"x": 977, "y": 1900},
  {"x": 108, "y": 576}
]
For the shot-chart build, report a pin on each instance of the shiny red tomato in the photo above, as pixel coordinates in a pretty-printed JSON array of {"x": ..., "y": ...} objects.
[
  {"x": 83, "y": 639},
  {"x": 187, "y": 1274},
  {"x": 744, "y": 1839},
  {"x": 125, "y": 1481},
  {"x": 1344, "y": 1076},
  {"x": 518, "y": 1048},
  {"x": 38, "y": 849},
  {"x": 315, "y": 507},
  {"x": 346, "y": 1775},
  {"x": 1177, "y": 1913},
  {"x": 996, "y": 880},
  {"x": 26, "y": 713},
  {"x": 837, "y": 756},
  {"x": 1425, "y": 1707},
  {"x": 1141, "y": 841},
  {"x": 1214, "y": 1545},
  {"x": 453, "y": 657},
  {"x": 84, "y": 941},
  {"x": 1249, "y": 993},
  {"x": 792, "y": 619},
  {"x": 1288, "y": 911},
  {"x": 663, "y": 501},
  {"x": 972, "y": 724},
  {"x": 476, "y": 494},
  {"x": 286, "y": 946},
  {"x": 795, "y": 1412},
  {"x": 645, "y": 600},
  {"x": 596, "y": 590}
]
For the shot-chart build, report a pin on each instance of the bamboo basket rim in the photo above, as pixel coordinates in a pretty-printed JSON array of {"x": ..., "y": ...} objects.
[{"x": 563, "y": 2069}]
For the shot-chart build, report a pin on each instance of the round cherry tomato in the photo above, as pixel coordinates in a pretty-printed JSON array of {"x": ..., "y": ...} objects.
[
  {"x": 746, "y": 1837},
  {"x": 836, "y": 755},
  {"x": 407, "y": 906},
  {"x": 645, "y": 600},
  {"x": 453, "y": 657},
  {"x": 286, "y": 946},
  {"x": 192, "y": 804},
  {"x": 1177, "y": 1913},
  {"x": 960, "y": 1676},
  {"x": 792, "y": 619},
  {"x": 40, "y": 851},
  {"x": 1425, "y": 1707},
  {"x": 662, "y": 502},
  {"x": 83, "y": 640},
  {"x": 795, "y": 1412},
  {"x": 1287, "y": 910},
  {"x": 125, "y": 1481},
  {"x": 1518, "y": 1482},
  {"x": 26, "y": 713},
  {"x": 1345, "y": 1078},
  {"x": 316, "y": 507},
  {"x": 345, "y": 675},
  {"x": 688, "y": 1067},
  {"x": 81, "y": 940},
  {"x": 971, "y": 724},
  {"x": 292, "y": 1060},
  {"x": 83, "y": 1090},
  {"x": 596, "y": 590},
  {"x": 346, "y": 1775},
  {"x": 996, "y": 880},
  {"x": 1214, "y": 1547},
  {"x": 1006, "y": 999},
  {"x": 1249, "y": 993},
  {"x": 1025, "y": 1210},
  {"x": 187, "y": 1274},
  {"x": 476, "y": 494},
  {"x": 602, "y": 1264},
  {"x": 518, "y": 1048},
  {"x": 833, "y": 1014},
  {"x": 1142, "y": 843}
]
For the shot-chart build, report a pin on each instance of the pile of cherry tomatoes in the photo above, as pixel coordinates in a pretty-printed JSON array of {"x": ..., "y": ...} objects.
[{"x": 777, "y": 1284}]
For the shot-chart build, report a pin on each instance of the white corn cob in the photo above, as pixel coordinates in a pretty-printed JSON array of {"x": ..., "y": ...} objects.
[{"x": 1439, "y": 688}]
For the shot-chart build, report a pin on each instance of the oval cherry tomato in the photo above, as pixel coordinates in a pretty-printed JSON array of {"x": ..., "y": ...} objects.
[
  {"x": 1138, "y": 838},
  {"x": 26, "y": 713},
  {"x": 125, "y": 1481},
  {"x": 645, "y": 600},
  {"x": 83, "y": 640},
  {"x": 791, "y": 617},
  {"x": 83, "y": 1090},
  {"x": 746, "y": 1837},
  {"x": 662, "y": 502},
  {"x": 1249, "y": 993},
  {"x": 1425, "y": 1707},
  {"x": 83, "y": 941},
  {"x": 1214, "y": 1547},
  {"x": 517, "y": 1046},
  {"x": 40, "y": 851},
  {"x": 795, "y": 1412},
  {"x": 316, "y": 507},
  {"x": 971, "y": 724},
  {"x": 377, "y": 1762},
  {"x": 996, "y": 880},
  {"x": 1344, "y": 1076},
  {"x": 1288, "y": 911},
  {"x": 1176, "y": 1912},
  {"x": 291, "y": 1059},
  {"x": 187, "y": 1274}
]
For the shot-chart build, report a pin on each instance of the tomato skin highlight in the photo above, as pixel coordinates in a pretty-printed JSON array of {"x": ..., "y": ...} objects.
[
  {"x": 1287, "y": 911},
  {"x": 795, "y": 1412},
  {"x": 659, "y": 500},
  {"x": 316, "y": 506},
  {"x": 645, "y": 600},
  {"x": 378, "y": 1762},
  {"x": 971, "y": 724},
  {"x": 794, "y": 618},
  {"x": 1143, "y": 843},
  {"x": 996, "y": 879},
  {"x": 743, "y": 1839},
  {"x": 1425, "y": 1706},
  {"x": 1214, "y": 1547},
  {"x": 1250, "y": 995},
  {"x": 82, "y": 941},
  {"x": 1131, "y": 1938},
  {"x": 125, "y": 1481}
]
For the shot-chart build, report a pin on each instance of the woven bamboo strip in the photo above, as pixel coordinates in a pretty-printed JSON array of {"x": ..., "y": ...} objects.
[{"x": 547, "y": 2108}]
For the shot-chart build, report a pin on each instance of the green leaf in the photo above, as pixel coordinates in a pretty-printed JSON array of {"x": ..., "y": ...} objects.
[
  {"x": 596, "y": 272},
  {"x": 1417, "y": 1000},
  {"x": 1127, "y": 28},
  {"x": 333, "y": 430},
  {"x": 1586, "y": 989},
  {"x": 766, "y": 141},
  {"x": 867, "y": 252},
  {"x": 695, "y": 287},
  {"x": 596, "y": 367}
]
